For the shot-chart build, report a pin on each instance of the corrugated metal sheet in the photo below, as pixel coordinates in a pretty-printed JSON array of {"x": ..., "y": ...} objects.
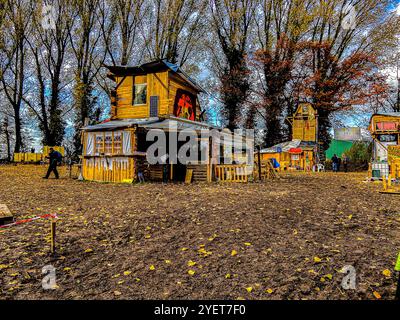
[{"x": 117, "y": 124}]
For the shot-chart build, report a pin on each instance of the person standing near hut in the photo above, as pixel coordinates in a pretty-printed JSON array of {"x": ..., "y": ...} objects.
[
  {"x": 345, "y": 162},
  {"x": 335, "y": 163},
  {"x": 55, "y": 159}
]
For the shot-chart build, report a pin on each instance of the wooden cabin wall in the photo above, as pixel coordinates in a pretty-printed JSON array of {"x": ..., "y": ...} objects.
[
  {"x": 305, "y": 123},
  {"x": 119, "y": 169},
  {"x": 112, "y": 167},
  {"x": 157, "y": 85},
  {"x": 381, "y": 118}
]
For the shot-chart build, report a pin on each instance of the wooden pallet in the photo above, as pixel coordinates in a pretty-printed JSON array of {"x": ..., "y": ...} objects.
[{"x": 5, "y": 215}]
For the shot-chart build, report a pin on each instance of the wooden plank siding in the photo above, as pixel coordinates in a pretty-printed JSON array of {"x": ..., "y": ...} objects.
[
  {"x": 94, "y": 170},
  {"x": 157, "y": 85}
]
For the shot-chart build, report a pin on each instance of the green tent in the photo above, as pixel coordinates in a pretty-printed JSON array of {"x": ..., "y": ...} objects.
[{"x": 338, "y": 147}]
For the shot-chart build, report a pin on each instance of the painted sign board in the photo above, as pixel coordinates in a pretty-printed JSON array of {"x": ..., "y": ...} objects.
[
  {"x": 347, "y": 134},
  {"x": 387, "y": 126}
]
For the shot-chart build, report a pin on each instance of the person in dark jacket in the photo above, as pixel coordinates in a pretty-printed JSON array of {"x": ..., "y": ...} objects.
[
  {"x": 54, "y": 160},
  {"x": 335, "y": 163}
]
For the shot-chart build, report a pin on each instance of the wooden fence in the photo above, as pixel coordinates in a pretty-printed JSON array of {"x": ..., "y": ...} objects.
[
  {"x": 231, "y": 173},
  {"x": 95, "y": 170}
]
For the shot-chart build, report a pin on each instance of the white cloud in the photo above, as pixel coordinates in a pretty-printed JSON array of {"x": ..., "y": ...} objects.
[{"x": 398, "y": 9}]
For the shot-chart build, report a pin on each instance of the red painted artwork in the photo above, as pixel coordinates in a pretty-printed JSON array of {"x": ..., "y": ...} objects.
[
  {"x": 387, "y": 126},
  {"x": 185, "y": 105}
]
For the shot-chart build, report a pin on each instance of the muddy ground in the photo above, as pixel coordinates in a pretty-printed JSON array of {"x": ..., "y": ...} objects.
[{"x": 285, "y": 239}]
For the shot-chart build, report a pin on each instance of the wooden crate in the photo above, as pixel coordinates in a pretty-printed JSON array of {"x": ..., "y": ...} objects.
[{"x": 5, "y": 215}]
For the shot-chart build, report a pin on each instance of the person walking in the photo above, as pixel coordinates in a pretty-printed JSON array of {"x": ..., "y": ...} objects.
[
  {"x": 345, "y": 162},
  {"x": 55, "y": 159},
  {"x": 335, "y": 162}
]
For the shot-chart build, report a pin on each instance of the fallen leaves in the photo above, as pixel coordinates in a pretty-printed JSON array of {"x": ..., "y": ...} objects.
[
  {"x": 386, "y": 273},
  {"x": 317, "y": 259},
  {"x": 191, "y": 263},
  {"x": 129, "y": 230}
]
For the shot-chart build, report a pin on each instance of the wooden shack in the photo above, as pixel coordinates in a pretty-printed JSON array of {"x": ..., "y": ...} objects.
[
  {"x": 301, "y": 152},
  {"x": 385, "y": 131},
  {"x": 156, "y": 95}
]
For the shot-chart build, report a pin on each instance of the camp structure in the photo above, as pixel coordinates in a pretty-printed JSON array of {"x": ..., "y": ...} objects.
[
  {"x": 302, "y": 152},
  {"x": 385, "y": 131},
  {"x": 292, "y": 155},
  {"x": 154, "y": 96}
]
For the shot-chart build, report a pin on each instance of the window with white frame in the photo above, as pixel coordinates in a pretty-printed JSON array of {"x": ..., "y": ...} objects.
[
  {"x": 140, "y": 94},
  {"x": 99, "y": 144}
]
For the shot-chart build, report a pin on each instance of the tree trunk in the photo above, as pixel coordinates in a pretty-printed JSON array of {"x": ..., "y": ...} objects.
[{"x": 18, "y": 135}]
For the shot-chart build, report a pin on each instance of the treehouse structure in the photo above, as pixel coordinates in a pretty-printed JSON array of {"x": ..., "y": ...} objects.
[
  {"x": 156, "y": 95},
  {"x": 301, "y": 152},
  {"x": 385, "y": 131}
]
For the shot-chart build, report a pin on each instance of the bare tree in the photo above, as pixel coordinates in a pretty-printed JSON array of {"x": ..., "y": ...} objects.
[
  {"x": 231, "y": 22},
  {"x": 120, "y": 21},
  {"x": 12, "y": 68},
  {"x": 85, "y": 39},
  {"x": 173, "y": 28},
  {"x": 48, "y": 48}
]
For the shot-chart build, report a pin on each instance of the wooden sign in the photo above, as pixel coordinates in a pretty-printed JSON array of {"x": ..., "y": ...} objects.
[
  {"x": 189, "y": 175},
  {"x": 5, "y": 214}
]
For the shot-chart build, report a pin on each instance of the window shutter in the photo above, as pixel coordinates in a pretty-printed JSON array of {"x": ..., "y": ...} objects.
[{"x": 154, "y": 106}]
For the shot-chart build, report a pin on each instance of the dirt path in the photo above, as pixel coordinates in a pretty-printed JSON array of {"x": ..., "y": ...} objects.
[{"x": 283, "y": 239}]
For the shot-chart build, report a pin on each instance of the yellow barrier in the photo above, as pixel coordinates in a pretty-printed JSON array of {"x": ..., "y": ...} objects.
[
  {"x": 46, "y": 150},
  {"x": 231, "y": 173},
  {"x": 32, "y": 157},
  {"x": 27, "y": 157},
  {"x": 18, "y": 157}
]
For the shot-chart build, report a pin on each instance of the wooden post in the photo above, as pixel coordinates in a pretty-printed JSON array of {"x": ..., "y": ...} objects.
[
  {"x": 53, "y": 235},
  {"x": 384, "y": 183},
  {"x": 259, "y": 162}
]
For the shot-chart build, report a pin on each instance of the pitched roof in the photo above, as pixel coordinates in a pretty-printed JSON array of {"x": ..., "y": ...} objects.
[
  {"x": 388, "y": 114},
  {"x": 152, "y": 67},
  {"x": 150, "y": 123},
  {"x": 286, "y": 146}
]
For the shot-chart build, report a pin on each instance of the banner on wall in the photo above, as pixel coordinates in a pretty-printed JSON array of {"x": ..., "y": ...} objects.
[{"x": 185, "y": 105}]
